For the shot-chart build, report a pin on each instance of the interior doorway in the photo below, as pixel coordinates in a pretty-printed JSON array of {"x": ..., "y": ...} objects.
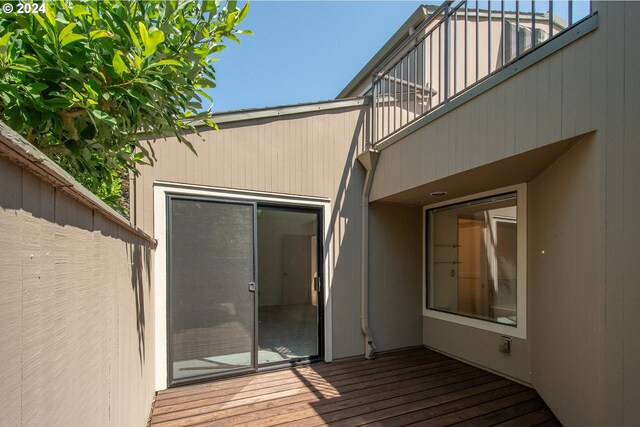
[{"x": 244, "y": 287}]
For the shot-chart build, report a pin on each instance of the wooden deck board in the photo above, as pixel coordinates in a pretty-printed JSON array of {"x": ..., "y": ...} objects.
[{"x": 414, "y": 386}]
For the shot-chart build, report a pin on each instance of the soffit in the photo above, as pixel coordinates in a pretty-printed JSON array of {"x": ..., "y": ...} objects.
[{"x": 510, "y": 171}]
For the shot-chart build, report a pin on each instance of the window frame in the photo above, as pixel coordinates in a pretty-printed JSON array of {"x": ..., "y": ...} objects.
[{"x": 518, "y": 331}]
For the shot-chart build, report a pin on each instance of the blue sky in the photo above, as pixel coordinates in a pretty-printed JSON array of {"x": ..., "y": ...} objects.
[
  {"x": 307, "y": 50},
  {"x": 303, "y": 51}
]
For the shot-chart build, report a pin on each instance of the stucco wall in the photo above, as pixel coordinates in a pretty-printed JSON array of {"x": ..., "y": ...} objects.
[{"x": 76, "y": 330}]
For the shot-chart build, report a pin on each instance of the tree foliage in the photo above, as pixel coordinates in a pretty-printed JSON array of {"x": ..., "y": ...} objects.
[{"x": 82, "y": 80}]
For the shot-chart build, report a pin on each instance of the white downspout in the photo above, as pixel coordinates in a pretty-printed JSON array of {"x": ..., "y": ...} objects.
[{"x": 369, "y": 160}]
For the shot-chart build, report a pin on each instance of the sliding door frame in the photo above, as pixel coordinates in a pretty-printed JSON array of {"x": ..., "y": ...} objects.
[
  {"x": 318, "y": 211},
  {"x": 162, "y": 190},
  {"x": 170, "y": 197}
]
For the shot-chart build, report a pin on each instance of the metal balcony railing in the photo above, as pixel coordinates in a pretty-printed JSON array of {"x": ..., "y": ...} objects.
[{"x": 459, "y": 45}]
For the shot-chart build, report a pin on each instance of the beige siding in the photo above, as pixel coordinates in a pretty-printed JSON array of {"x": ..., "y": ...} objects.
[
  {"x": 74, "y": 310},
  {"x": 565, "y": 279},
  {"x": 479, "y": 347},
  {"x": 548, "y": 102},
  {"x": 311, "y": 154},
  {"x": 582, "y": 347},
  {"x": 394, "y": 269}
]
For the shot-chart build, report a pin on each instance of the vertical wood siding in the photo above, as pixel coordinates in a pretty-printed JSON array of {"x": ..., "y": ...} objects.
[
  {"x": 311, "y": 154},
  {"x": 76, "y": 330},
  {"x": 583, "y": 347}
]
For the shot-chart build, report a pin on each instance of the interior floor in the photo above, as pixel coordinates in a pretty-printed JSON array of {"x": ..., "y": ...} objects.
[{"x": 287, "y": 332}]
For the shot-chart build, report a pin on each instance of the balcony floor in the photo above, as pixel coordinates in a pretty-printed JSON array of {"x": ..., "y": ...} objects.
[{"x": 397, "y": 388}]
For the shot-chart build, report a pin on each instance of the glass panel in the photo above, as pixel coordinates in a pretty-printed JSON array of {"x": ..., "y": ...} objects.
[
  {"x": 211, "y": 308},
  {"x": 473, "y": 259},
  {"x": 287, "y": 297}
]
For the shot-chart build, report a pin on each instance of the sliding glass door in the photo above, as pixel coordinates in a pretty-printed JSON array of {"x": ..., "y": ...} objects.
[
  {"x": 211, "y": 272},
  {"x": 244, "y": 287},
  {"x": 290, "y": 299}
]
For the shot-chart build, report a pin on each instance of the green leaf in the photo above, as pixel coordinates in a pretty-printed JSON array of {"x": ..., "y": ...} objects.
[
  {"x": 153, "y": 39},
  {"x": 21, "y": 67},
  {"x": 164, "y": 62},
  {"x": 243, "y": 12},
  {"x": 36, "y": 88},
  {"x": 144, "y": 34},
  {"x": 66, "y": 31},
  {"x": 104, "y": 117},
  {"x": 79, "y": 10},
  {"x": 98, "y": 34},
  {"x": 118, "y": 64},
  {"x": 133, "y": 36},
  {"x": 5, "y": 39},
  {"x": 233, "y": 37},
  {"x": 72, "y": 38}
]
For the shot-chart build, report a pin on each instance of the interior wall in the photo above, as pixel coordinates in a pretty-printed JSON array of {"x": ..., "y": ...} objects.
[
  {"x": 395, "y": 271},
  {"x": 76, "y": 319},
  {"x": 272, "y": 228}
]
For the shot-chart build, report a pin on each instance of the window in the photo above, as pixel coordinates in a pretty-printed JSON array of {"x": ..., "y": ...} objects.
[{"x": 475, "y": 261}]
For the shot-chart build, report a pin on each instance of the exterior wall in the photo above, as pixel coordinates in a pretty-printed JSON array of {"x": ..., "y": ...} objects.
[
  {"x": 395, "y": 266},
  {"x": 76, "y": 333},
  {"x": 565, "y": 284},
  {"x": 311, "y": 154},
  {"x": 582, "y": 350}
]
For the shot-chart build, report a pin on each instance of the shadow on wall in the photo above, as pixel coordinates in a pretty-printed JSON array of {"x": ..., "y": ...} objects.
[
  {"x": 74, "y": 217},
  {"x": 140, "y": 256},
  {"x": 344, "y": 234}
]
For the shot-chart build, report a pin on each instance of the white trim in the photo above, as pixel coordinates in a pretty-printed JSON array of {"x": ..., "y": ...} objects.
[
  {"x": 520, "y": 331},
  {"x": 160, "y": 192}
]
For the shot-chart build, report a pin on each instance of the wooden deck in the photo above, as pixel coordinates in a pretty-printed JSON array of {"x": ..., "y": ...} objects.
[{"x": 415, "y": 386}]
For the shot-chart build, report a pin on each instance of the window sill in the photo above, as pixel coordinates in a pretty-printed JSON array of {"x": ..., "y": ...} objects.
[{"x": 486, "y": 325}]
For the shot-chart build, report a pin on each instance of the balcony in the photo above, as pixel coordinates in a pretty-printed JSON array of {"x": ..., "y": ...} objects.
[{"x": 458, "y": 47}]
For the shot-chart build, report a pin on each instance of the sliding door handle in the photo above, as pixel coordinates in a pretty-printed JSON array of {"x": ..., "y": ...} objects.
[{"x": 252, "y": 287}]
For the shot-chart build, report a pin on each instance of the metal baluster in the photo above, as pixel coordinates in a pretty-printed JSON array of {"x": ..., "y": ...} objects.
[
  {"x": 381, "y": 125},
  {"x": 550, "y": 18},
  {"x": 430, "y": 71},
  {"x": 533, "y": 24},
  {"x": 387, "y": 87},
  {"x": 424, "y": 65},
  {"x": 401, "y": 90},
  {"x": 394, "y": 100},
  {"x": 373, "y": 111},
  {"x": 408, "y": 88},
  {"x": 466, "y": 42},
  {"x": 440, "y": 64},
  {"x": 570, "y": 12},
  {"x": 489, "y": 39},
  {"x": 455, "y": 52},
  {"x": 503, "y": 35},
  {"x": 517, "y": 29},
  {"x": 415, "y": 80},
  {"x": 477, "y": 40},
  {"x": 447, "y": 56}
]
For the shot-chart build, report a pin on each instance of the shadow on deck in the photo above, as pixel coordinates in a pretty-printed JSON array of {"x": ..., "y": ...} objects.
[{"x": 415, "y": 386}]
